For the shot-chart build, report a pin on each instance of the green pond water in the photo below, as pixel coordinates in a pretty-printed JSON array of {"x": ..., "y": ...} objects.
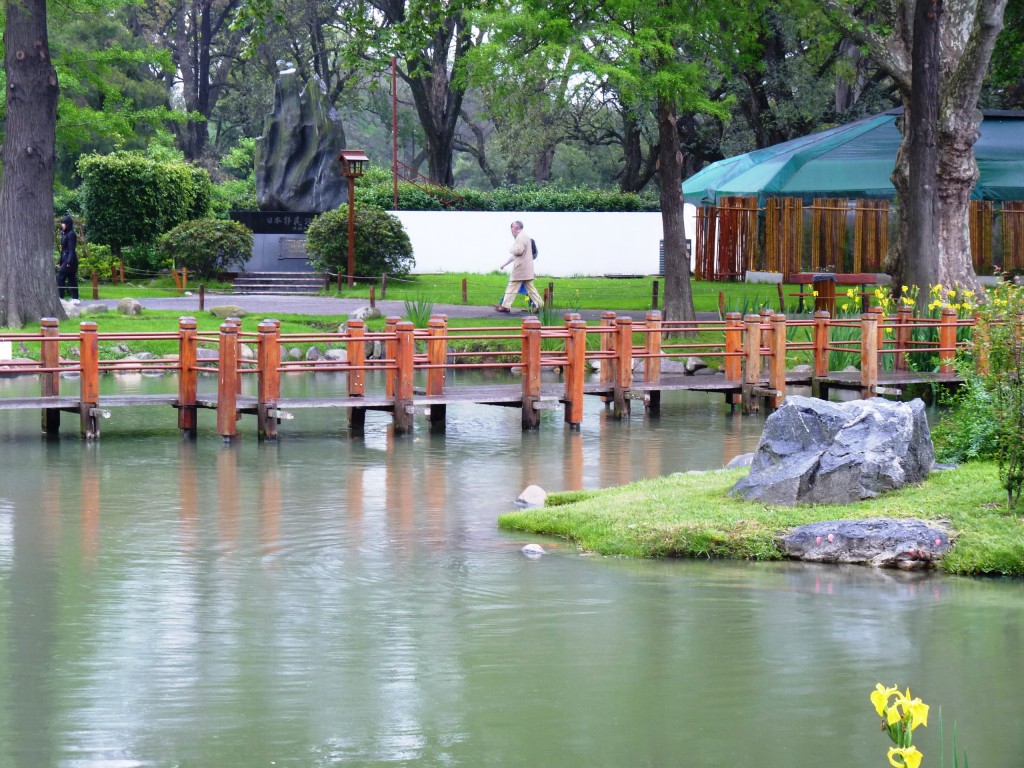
[{"x": 339, "y": 601}]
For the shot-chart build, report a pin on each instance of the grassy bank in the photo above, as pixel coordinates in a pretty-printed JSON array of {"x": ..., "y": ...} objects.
[{"x": 692, "y": 515}]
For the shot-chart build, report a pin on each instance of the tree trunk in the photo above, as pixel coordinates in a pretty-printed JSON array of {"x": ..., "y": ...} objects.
[
  {"x": 678, "y": 294},
  {"x": 920, "y": 123},
  {"x": 28, "y": 288}
]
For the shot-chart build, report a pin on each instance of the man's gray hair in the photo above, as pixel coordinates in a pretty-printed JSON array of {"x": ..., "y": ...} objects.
[{"x": 517, "y": 224}]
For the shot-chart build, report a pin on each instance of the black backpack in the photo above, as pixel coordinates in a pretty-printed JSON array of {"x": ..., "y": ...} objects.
[{"x": 533, "y": 245}]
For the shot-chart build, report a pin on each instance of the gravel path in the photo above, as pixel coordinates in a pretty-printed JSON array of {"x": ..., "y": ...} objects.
[{"x": 328, "y": 305}]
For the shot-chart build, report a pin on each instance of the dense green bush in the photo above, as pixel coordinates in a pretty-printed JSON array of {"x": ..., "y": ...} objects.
[
  {"x": 129, "y": 198},
  {"x": 381, "y": 243},
  {"x": 93, "y": 257},
  {"x": 376, "y": 188},
  {"x": 207, "y": 246}
]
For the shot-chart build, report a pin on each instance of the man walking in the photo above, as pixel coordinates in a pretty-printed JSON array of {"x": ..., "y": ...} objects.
[{"x": 521, "y": 259}]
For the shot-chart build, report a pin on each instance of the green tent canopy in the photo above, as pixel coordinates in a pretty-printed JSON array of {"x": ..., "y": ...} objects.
[{"x": 855, "y": 161}]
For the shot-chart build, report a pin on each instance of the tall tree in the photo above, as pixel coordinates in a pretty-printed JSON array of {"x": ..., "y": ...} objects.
[
  {"x": 27, "y": 287},
  {"x": 655, "y": 58},
  {"x": 429, "y": 41},
  {"x": 966, "y": 35}
]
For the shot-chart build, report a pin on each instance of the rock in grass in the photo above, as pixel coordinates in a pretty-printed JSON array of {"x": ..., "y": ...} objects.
[
  {"x": 818, "y": 452},
  {"x": 884, "y": 542},
  {"x": 532, "y": 496}
]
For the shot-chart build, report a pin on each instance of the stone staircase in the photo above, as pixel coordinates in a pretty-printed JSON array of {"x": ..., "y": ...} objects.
[{"x": 294, "y": 283}]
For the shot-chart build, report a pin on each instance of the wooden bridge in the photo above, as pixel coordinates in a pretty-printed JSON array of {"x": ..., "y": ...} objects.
[{"x": 748, "y": 359}]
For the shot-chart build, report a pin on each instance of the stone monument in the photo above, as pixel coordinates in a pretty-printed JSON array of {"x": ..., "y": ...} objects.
[{"x": 295, "y": 166}]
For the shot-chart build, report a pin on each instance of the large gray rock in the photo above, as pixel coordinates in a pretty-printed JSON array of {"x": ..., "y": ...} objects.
[
  {"x": 296, "y": 168},
  {"x": 882, "y": 542},
  {"x": 815, "y": 451}
]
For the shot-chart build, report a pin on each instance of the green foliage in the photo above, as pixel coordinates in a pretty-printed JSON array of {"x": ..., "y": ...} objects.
[
  {"x": 376, "y": 188},
  {"x": 381, "y": 243},
  {"x": 207, "y": 246},
  {"x": 232, "y": 195},
  {"x": 419, "y": 311},
  {"x": 966, "y": 431},
  {"x": 93, "y": 257},
  {"x": 999, "y": 350},
  {"x": 129, "y": 198}
]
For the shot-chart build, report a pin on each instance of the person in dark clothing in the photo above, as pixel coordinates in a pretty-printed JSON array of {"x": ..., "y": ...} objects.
[{"x": 67, "y": 269}]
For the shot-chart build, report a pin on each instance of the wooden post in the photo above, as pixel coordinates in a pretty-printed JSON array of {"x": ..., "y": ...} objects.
[
  {"x": 947, "y": 339},
  {"x": 237, "y": 322},
  {"x": 879, "y": 314},
  {"x": 531, "y": 372},
  {"x": 202, "y": 296},
  {"x": 268, "y": 365},
  {"x": 95, "y": 285},
  {"x": 184, "y": 279},
  {"x": 383, "y": 286},
  {"x": 751, "y": 362},
  {"x": 437, "y": 356},
  {"x": 782, "y": 297},
  {"x": 654, "y": 295},
  {"x": 575, "y": 370},
  {"x": 623, "y": 365},
  {"x": 121, "y": 264},
  {"x": 390, "y": 355},
  {"x": 549, "y": 298},
  {"x": 652, "y": 361},
  {"x": 89, "y": 358},
  {"x": 373, "y": 297},
  {"x": 777, "y": 367},
  {"x": 177, "y": 279},
  {"x": 187, "y": 377},
  {"x": 868, "y": 354},
  {"x": 821, "y": 341},
  {"x": 733, "y": 363},
  {"x": 465, "y": 292},
  {"x": 405, "y": 348},
  {"x": 227, "y": 382},
  {"x": 49, "y": 381},
  {"x": 605, "y": 373},
  {"x": 355, "y": 350},
  {"x": 904, "y": 314}
]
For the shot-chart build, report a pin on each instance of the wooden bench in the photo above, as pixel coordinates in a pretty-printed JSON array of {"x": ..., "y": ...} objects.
[{"x": 823, "y": 288}]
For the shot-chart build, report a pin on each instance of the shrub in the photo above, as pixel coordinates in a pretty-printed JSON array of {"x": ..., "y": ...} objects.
[
  {"x": 381, "y": 243},
  {"x": 93, "y": 257},
  {"x": 129, "y": 198},
  {"x": 207, "y": 246}
]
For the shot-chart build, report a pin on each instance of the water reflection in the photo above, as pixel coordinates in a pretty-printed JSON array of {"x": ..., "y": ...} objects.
[{"x": 336, "y": 601}]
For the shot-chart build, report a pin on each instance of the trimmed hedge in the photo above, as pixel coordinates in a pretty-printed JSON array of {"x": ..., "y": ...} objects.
[
  {"x": 128, "y": 198},
  {"x": 376, "y": 188}
]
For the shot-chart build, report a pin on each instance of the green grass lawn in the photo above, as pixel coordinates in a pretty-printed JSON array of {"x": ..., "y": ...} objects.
[
  {"x": 620, "y": 294},
  {"x": 692, "y": 515}
]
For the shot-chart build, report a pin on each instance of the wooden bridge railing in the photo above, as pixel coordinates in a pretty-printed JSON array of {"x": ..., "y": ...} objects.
[{"x": 749, "y": 353}]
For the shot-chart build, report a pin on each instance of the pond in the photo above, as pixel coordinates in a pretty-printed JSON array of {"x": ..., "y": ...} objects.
[{"x": 330, "y": 600}]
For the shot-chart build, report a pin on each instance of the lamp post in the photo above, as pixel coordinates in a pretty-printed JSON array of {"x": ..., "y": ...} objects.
[{"x": 353, "y": 164}]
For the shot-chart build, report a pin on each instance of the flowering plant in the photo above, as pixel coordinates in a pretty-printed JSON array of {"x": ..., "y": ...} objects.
[{"x": 900, "y": 716}]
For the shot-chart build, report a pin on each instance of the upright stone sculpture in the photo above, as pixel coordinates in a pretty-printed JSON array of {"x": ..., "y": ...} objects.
[
  {"x": 295, "y": 165},
  {"x": 814, "y": 451}
]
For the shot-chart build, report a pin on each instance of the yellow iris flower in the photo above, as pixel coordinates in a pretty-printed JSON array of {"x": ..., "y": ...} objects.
[
  {"x": 908, "y": 757},
  {"x": 880, "y": 697}
]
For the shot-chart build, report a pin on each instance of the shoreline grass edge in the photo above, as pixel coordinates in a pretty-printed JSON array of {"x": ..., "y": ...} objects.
[{"x": 692, "y": 515}]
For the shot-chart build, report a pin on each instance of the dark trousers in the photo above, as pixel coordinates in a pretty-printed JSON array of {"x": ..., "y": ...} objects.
[{"x": 67, "y": 283}]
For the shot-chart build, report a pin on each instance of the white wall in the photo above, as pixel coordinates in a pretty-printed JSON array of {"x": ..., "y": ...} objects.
[{"x": 567, "y": 243}]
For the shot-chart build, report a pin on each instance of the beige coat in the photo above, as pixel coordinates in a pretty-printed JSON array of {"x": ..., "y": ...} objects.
[{"x": 522, "y": 258}]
